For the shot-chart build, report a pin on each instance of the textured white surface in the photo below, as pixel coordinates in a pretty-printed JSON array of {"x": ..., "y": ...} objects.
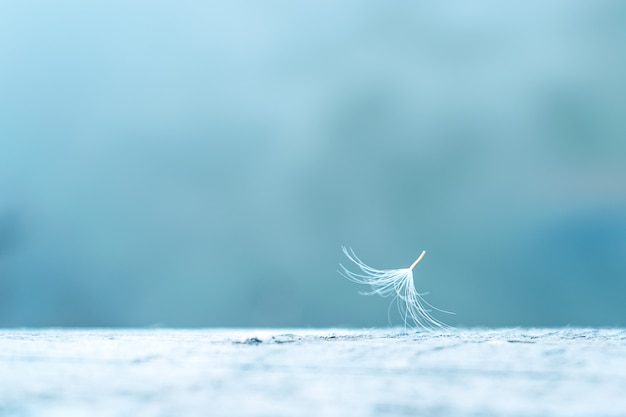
[{"x": 298, "y": 372}]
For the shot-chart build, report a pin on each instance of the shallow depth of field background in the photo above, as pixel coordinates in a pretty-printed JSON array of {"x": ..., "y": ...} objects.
[{"x": 201, "y": 163}]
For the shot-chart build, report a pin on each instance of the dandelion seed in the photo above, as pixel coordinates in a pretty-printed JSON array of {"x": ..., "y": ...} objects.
[{"x": 397, "y": 283}]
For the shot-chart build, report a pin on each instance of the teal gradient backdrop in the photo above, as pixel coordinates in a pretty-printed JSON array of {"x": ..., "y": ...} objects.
[{"x": 201, "y": 163}]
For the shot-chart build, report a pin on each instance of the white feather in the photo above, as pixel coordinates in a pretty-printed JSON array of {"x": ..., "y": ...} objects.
[{"x": 399, "y": 284}]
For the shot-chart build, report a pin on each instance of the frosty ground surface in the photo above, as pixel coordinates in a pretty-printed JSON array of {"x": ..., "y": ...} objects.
[{"x": 302, "y": 372}]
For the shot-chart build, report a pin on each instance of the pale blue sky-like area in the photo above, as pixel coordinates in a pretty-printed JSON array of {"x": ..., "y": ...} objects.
[{"x": 202, "y": 163}]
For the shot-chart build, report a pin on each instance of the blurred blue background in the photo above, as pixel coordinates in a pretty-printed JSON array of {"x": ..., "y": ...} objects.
[{"x": 199, "y": 163}]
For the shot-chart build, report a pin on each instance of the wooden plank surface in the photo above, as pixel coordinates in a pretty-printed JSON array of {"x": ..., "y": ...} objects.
[{"x": 303, "y": 372}]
